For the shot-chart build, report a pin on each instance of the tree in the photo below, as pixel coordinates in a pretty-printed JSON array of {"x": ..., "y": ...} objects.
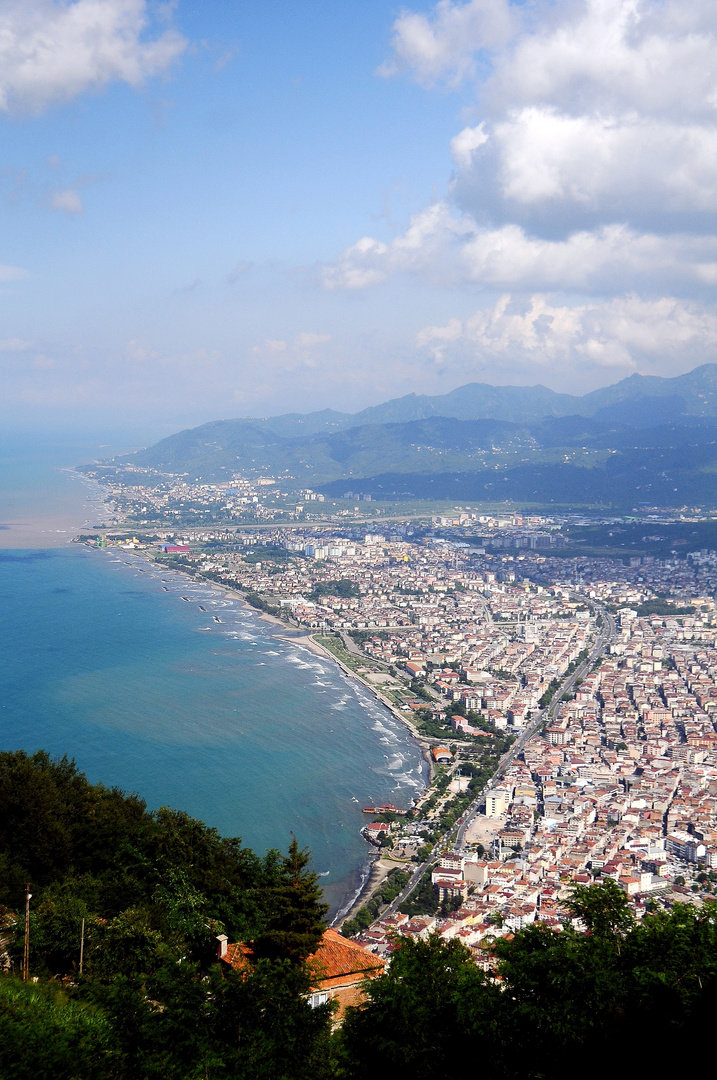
[
  {"x": 422, "y": 1017},
  {"x": 297, "y": 913},
  {"x": 602, "y": 908},
  {"x": 44, "y": 1033}
]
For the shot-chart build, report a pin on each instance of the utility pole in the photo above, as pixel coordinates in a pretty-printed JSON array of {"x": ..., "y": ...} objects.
[
  {"x": 26, "y": 950},
  {"x": 82, "y": 943}
]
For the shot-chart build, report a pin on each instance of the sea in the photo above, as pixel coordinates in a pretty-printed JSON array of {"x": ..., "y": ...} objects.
[{"x": 168, "y": 688}]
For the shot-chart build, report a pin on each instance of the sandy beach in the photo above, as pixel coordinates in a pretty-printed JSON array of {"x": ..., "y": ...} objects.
[
  {"x": 380, "y": 869},
  {"x": 306, "y": 641}
]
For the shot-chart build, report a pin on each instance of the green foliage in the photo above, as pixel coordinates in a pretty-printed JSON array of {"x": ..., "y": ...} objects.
[
  {"x": 44, "y": 1032},
  {"x": 423, "y": 1016},
  {"x": 549, "y": 693},
  {"x": 296, "y": 911},
  {"x": 564, "y": 998},
  {"x": 343, "y": 587},
  {"x": 386, "y": 892},
  {"x": 154, "y": 891},
  {"x": 663, "y": 607},
  {"x": 139, "y": 879},
  {"x": 153, "y": 1004},
  {"x": 420, "y": 691},
  {"x": 267, "y": 553},
  {"x": 260, "y": 604},
  {"x": 423, "y": 900}
]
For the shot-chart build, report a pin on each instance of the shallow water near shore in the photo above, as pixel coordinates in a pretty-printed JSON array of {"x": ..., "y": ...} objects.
[{"x": 164, "y": 686}]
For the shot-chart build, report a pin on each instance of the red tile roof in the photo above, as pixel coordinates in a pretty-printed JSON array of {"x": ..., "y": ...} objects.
[{"x": 336, "y": 961}]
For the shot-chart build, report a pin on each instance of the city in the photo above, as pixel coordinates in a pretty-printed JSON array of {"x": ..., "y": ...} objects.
[{"x": 567, "y": 705}]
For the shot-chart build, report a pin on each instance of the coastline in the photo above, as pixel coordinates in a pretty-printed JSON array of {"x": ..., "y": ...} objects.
[
  {"x": 373, "y": 869},
  {"x": 376, "y": 867},
  {"x": 307, "y": 641},
  {"x": 378, "y": 870}
]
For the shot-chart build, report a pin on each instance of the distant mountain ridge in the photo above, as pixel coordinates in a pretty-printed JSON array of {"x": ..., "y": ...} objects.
[
  {"x": 692, "y": 394},
  {"x": 653, "y": 425}
]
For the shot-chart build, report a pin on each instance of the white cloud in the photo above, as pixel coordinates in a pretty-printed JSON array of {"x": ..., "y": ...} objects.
[
  {"x": 15, "y": 345},
  {"x": 589, "y": 168},
  {"x": 451, "y": 249},
  {"x": 446, "y": 42},
  {"x": 354, "y": 269},
  {"x": 51, "y": 51},
  {"x": 425, "y": 246},
  {"x": 279, "y": 358},
  {"x": 615, "y": 56},
  {"x": 308, "y": 340},
  {"x": 68, "y": 201},
  {"x": 594, "y": 111},
  {"x": 437, "y": 338},
  {"x": 601, "y": 107},
  {"x": 615, "y": 165},
  {"x": 627, "y": 333},
  {"x": 466, "y": 142}
]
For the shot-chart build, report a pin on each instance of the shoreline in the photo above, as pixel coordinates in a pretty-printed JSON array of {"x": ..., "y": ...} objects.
[
  {"x": 377, "y": 866},
  {"x": 374, "y": 868},
  {"x": 307, "y": 641},
  {"x": 378, "y": 870}
]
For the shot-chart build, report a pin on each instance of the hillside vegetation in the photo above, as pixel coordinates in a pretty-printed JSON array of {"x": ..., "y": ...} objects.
[
  {"x": 152, "y": 1002},
  {"x": 644, "y": 440}
]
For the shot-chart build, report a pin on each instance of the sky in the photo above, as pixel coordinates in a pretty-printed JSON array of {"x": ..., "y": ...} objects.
[{"x": 232, "y": 209}]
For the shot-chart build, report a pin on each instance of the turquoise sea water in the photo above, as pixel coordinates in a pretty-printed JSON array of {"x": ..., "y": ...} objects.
[{"x": 102, "y": 659}]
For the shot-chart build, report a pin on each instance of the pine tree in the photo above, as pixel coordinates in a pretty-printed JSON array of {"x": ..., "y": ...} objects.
[{"x": 297, "y": 912}]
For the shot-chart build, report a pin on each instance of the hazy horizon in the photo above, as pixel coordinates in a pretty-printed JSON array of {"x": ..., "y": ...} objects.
[{"x": 214, "y": 211}]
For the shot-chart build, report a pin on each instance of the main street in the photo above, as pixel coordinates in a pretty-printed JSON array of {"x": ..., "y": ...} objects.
[{"x": 456, "y": 834}]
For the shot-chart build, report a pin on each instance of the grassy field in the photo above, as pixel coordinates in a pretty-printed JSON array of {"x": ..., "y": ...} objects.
[{"x": 359, "y": 664}]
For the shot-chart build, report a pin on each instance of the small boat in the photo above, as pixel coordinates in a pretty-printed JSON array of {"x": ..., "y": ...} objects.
[
  {"x": 216, "y": 618},
  {"x": 186, "y": 599}
]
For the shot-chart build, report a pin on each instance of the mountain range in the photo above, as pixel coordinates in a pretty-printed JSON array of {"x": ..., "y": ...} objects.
[{"x": 644, "y": 439}]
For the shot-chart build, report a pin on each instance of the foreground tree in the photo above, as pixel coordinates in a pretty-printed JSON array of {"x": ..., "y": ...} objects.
[
  {"x": 422, "y": 1018},
  {"x": 602, "y": 908},
  {"x": 296, "y": 911}
]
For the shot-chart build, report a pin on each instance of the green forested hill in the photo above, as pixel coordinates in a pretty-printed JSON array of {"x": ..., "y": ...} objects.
[
  {"x": 154, "y": 891},
  {"x": 570, "y": 459},
  {"x": 153, "y": 1003}
]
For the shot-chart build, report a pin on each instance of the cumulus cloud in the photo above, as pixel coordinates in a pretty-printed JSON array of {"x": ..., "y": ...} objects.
[
  {"x": 445, "y": 43},
  {"x": 449, "y": 248},
  {"x": 51, "y": 51},
  {"x": 594, "y": 166},
  {"x": 593, "y": 110},
  {"x": 627, "y": 333},
  {"x": 589, "y": 169},
  {"x": 466, "y": 142}
]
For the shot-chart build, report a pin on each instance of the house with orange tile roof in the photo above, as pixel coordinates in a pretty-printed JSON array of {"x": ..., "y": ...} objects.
[{"x": 339, "y": 964}]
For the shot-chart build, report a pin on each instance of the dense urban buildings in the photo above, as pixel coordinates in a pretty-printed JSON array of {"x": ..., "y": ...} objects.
[{"x": 592, "y": 678}]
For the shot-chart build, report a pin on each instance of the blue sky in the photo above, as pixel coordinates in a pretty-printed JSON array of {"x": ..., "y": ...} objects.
[{"x": 240, "y": 209}]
